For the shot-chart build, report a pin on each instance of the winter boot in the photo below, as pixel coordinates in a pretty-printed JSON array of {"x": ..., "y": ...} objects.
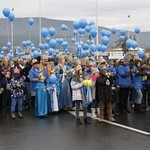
[
  {"x": 93, "y": 115},
  {"x": 13, "y": 116},
  {"x": 98, "y": 112},
  {"x": 86, "y": 121},
  {"x": 111, "y": 119},
  {"x": 78, "y": 121},
  {"x": 101, "y": 118},
  {"x": 20, "y": 114}
]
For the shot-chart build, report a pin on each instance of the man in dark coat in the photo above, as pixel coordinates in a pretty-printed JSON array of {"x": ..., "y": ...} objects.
[{"x": 103, "y": 93}]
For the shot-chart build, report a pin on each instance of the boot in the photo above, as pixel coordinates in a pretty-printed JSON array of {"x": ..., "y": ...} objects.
[
  {"x": 93, "y": 115},
  {"x": 148, "y": 108},
  {"x": 78, "y": 121},
  {"x": 139, "y": 108},
  {"x": 20, "y": 114},
  {"x": 13, "y": 116},
  {"x": 86, "y": 121},
  {"x": 98, "y": 112},
  {"x": 111, "y": 119},
  {"x": 101, "y": 118}
]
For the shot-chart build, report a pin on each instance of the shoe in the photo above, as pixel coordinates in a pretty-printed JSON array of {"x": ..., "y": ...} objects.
[
  {"x": 100, "y": 120},
  {"x": 93, "y": 115},
  {"x": 111, "y": 119},
  {"x": 148, "y": 108},
  {"x": 20, "y": 114},
  {"x": 78, "y": 121},
  {"x": 86, "y": 121},
  {"x": 13, "y": 116}
]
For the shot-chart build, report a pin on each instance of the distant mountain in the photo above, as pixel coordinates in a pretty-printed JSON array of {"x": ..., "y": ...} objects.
[{"x": 22, "y": 29}]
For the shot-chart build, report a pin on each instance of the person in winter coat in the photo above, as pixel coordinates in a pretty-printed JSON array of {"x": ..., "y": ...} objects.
[
  {"x": 124, "y": 82},
  {"x": 137, "y": 85},
  {"x": 95, "y": 105},
  {"x": 17, "y": 93},
  {"x": 77, "y": 94},
  {"x": 103, "y": 93}
]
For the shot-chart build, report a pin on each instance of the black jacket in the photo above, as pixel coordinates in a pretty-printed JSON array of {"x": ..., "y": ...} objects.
[{"x": 103, "y": 88}]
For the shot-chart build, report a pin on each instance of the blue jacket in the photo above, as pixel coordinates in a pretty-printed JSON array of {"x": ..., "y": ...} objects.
[
  {"x": 124, "y": 77},
  {"x": 137, "y": 80}
]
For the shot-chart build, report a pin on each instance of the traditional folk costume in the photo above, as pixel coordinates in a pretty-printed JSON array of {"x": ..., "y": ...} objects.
[
  {"x": 41, "y": 108},
  {"x": 53, "y": 93},
  {"x": 65, "y": 100}
]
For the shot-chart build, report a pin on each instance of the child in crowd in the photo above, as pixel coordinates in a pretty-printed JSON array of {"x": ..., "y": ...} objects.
[{"x": 17, "y": 93}]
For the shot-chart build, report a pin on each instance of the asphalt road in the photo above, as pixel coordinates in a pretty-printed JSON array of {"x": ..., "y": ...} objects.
[{"x": 59, "y": 132}]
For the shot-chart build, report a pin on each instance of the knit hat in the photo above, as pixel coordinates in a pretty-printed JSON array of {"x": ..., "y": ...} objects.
[{"x": 94, "y": 70}]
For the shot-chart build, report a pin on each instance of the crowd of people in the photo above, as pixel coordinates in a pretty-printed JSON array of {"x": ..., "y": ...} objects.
[{"x": 50, "y": 85}]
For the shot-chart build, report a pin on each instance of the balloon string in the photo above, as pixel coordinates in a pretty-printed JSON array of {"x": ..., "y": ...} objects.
[
  {"x": 30, "y": 33},
  {"x": 7, "y": 30}
]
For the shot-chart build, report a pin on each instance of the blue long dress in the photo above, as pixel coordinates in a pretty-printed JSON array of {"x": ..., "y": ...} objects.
[{"x": 41, "y": 107}]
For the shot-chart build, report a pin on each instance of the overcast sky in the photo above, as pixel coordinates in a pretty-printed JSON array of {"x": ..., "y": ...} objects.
[{"x": 111, "y": 13}]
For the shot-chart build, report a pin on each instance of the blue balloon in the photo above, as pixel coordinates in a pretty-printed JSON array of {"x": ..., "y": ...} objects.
[
  {"x": 30, "y": 21},
  {"x": 57, "y": 51},
  {"x": 113, "y": 30},
  {"x": 2, "y": 52},
  {"x": 141, "y": 54},
  {"x": 44, "y": 32},
  {"x": 85, "y": 46},
  {"x": 103, "y": 48},
  {"x": 73, "y": 40},
  {"x": 103, "y": 32},
  {"x": 123, "y": 32},
  {"x": 107, "y": 33},
  {"x": 93, "y": 33},
  {"x": 9, "y": 44},
  {"x": 11, "y": 17},
  {"x": 29, "y": 43},
  {"x": 1, "y": 56},
  {"x": 92, "y": 23},
  {"x": 92, "y": 27},
  {"x": 81, "y": 31},
  {"x": 53, "y": 43},
  {"x": 122, "y": 38},
  {"x": 10, "y": 56},
  {"x": 4, "y": 48},
  {"x": 64, "y": 45},
  {"x": 41, "y": 46},
  {"x": 33, "y": 48},
  {"x": 46, "y": 46},
  {"x": 93, "y": 47},
  {"x": 75, "y": 32},
  {"x": 51, "y": 51},
  {"x": 129, "y": 43},
  {"x": 83, "y": 53},
  {"x": 105, "y": 40},
  {"x": 6, "y": 12},
  {"x": 137, "y": 30},
  {"x": 36, "y": 54},
  {"x": 76, "y": 25},
  {"x": 82, "y": 23},
  {"x": 134, "y": 44},
  {"x": 47, "y": 39},
  {"x": 24, "y": 43},
  {"x": 79, "y": 48},
  {"x": 60, "y": 40},
  {"x": 87, "y": 28},
  {"x": 52, "y": 31},
  {"x": 98, "y": 47},
  {"x": 64, "y": 27},
  {"x": 32, "y": 44}
]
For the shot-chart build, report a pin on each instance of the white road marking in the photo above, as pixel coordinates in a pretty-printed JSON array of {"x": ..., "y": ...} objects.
[{"x": 115, "y": 124}]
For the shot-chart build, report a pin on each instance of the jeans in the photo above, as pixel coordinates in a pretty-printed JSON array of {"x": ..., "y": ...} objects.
[
  {"x": 77, "y": 105},
  {"x": 14, "y": 101},
  {"x": 138, "y": 96}
]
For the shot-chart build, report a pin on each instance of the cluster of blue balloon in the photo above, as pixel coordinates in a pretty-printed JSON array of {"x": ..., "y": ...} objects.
[
  {"x": 88, "y": 47},
  {"x": 7, "y": 13}
]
